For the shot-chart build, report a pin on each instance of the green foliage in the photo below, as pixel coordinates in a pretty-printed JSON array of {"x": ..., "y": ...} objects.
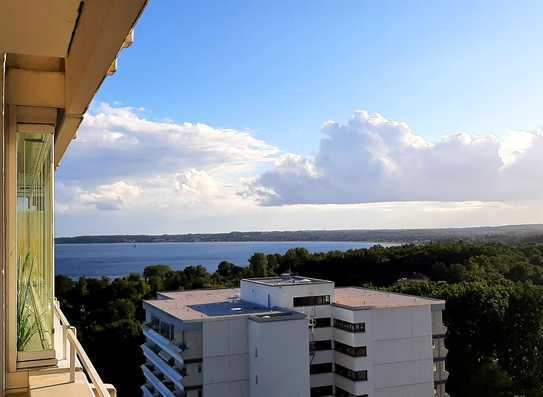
[
  {"x": 494, "y": 335},
  {"x": 258, "y": 265},
  {"x": 494, "y": 309},
  {"x": 29, "y": 319}
]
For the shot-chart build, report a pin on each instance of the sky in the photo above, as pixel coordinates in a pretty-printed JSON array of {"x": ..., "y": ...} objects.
[{"x": 291, "y": 115}]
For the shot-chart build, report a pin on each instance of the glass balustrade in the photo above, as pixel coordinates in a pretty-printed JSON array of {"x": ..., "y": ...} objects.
[{"x": 35, "y": 267}]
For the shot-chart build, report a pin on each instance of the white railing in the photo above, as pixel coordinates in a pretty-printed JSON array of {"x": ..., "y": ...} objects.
[
  {"x": 163, "y": 343},
  {"x": 69, "y": 335}
]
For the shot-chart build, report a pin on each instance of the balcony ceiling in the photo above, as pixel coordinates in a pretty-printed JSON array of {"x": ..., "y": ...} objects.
[{"x": 37, "y": 27}]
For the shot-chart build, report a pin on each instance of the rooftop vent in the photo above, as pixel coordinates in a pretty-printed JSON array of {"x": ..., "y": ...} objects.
[{"x": 285, "y": 276}]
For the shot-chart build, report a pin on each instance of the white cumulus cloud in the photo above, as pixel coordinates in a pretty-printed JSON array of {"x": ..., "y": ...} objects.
[
  {"x": 373, "y": 159},
  {"x": 121, "y": 160},
  {"x": 118, "y": 143}
]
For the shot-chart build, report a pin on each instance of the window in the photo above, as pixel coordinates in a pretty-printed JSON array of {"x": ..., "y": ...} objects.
[
  {"x": 34, "y": 226},
  {"x": 322, "y": 322},
  {"x": 349, "y": 327},
  {"x": 320, "y": 345},
  {"x": 166, "y": 330},
  {"x": 344, "y": 393},
  {"x": 320, "y": 368},
  {"x": 355, "y": 376},
  {"x": 322, "y": 391},
  {"x": 311, "y": 300},
  {"x": 154, "y": 323},
  {"x": 359, "y": 351}
]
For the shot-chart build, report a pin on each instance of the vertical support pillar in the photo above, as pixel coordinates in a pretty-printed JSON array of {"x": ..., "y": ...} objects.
[
  {"x": 2, "y": 234},
  {"x": 72, "y": 358}
]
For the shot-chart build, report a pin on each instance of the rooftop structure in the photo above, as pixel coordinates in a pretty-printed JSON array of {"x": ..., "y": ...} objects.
[
  {"x": 363, "y": 298},
  {"x": 201, "y": 304},
  {"x": 286, "y": 279}
]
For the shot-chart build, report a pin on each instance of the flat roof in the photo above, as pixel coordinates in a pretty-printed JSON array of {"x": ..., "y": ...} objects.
[
  {"x": 208, "y": 303},
  {"x": 282, "y": 281},
  {"x": 363, "y": 298}
]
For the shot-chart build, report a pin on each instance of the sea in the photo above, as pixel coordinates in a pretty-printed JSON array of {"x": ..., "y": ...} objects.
[{"x": 121, "y": 259}]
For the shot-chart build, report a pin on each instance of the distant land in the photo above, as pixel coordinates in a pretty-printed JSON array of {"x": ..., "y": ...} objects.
[{"x": 506, "y": 234}]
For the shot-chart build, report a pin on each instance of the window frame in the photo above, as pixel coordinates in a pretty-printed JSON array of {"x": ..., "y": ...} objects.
[
  {"x": 311, "y": 300},
  {"x": 354, "y": 328}
]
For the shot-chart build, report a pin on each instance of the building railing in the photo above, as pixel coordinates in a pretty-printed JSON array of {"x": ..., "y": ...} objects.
[
  {"x": 69, "y": 336},
  {"x": 172, "y": 349}
]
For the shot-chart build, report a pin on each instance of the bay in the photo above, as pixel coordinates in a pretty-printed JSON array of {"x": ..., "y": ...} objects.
[{"x": 116, "y": 260}]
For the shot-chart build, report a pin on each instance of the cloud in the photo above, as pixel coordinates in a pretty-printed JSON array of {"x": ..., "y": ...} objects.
[
  {"x": 129, "y": 174},
  {"x": 197, "y": 182},
  {"x": 118, "y": 143},
  {"x": 109, "y": 197},
  {"x": 123, "y": 161},
  {"x": 373, "y": 159}
]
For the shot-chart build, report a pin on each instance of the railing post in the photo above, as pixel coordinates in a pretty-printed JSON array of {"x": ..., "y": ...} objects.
[
  {"x": 72, "y": 358},
  {"x": 64, "y": 342}
]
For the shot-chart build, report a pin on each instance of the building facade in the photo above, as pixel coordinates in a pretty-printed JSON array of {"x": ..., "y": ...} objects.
[{"x": 293, "y": 336}]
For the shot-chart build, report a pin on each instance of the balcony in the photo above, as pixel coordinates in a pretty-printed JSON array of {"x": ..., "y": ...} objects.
[
  {"x": 167, "y": 346},
  {"x": 74, "y": 375},
  {"x": 156, "y": 382},
  {"x": 174, "y": 376},
  {"x": 149, "y": 391}
]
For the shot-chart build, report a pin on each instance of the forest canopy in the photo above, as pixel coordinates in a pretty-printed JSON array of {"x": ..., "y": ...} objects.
[{"x": 494, "y": 309}]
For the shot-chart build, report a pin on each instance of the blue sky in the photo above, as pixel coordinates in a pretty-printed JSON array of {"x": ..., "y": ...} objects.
[
  {"x": 283, "y": 68},
  {"x": 279, "y": 70}
]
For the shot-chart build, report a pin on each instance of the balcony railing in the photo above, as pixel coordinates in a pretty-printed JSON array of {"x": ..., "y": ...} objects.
[
  {"x": 165, "y": 344},
  {"x": 174, "y": 376},
  {"x": 69, "y": 336},
  {"x": 156, "y": 382}
]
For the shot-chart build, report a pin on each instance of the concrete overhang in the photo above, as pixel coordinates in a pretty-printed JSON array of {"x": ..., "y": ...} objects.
[
  {"x": 37, "y": 27},
  {"x": 58, "y": 54}
]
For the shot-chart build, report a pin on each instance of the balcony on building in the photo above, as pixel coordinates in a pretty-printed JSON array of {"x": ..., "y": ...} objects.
[{"x": 54, "y": 56}]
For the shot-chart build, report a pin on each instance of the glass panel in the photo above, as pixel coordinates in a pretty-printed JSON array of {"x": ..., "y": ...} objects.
[{"x": 35, "y": 269}]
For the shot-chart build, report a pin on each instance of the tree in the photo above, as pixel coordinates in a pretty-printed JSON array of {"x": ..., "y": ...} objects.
[
  {"x": 156, "y": 271},
  {"x": 258, "y": 264}
]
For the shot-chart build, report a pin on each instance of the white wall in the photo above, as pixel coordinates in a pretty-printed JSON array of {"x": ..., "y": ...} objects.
[
  {"x": 399, "y": 351},
  {"x": 278, "y": 358},
  {"x": 225, "y": 360}
]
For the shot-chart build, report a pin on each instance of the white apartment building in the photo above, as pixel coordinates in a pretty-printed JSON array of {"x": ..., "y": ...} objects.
[{"x": 293, "y": 336}]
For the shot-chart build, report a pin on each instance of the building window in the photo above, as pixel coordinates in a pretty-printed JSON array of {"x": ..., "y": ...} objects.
[
  {"x": 355, "y": 376},
  {"x": 166, "y": 330},
  {"x": 349, "y": 327},
  {"x": 322, "y": 322},
  {"x": 34, "y": 226},
  {"x": 322, "y": 391},
  {"x": 320, "y": 345},
  {"x": 344, "y": 393},
  {"x": 320, "y": 368},
  {"x": 359, "y": 351},
  {"x": 311, "y": 300},
  {"x": 154, "y": 323}
]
